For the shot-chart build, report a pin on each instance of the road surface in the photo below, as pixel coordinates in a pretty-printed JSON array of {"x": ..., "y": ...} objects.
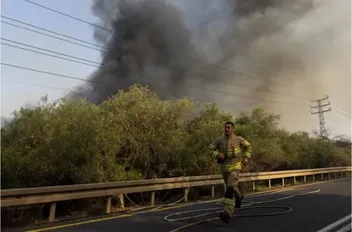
[{"x": 326, "y": 210}]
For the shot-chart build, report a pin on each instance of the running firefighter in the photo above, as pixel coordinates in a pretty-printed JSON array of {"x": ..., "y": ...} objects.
[{"x": 232, "y": 153}]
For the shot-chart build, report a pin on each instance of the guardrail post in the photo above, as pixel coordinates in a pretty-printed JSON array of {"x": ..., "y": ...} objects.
[
  {"x": 122, "y": 202},
  {"x": 253, "y": 185},
  {"x": 52, "y": 212},
  {"x": 152, "y": 199},
  {"x": 322, "y": 176},
  {"x": 305, "y": 179},
  {"x": 283, "y": 182},
  {"x": 108, "y": 205},
  {"x": 269, "y": 183},
  {"x": 313, "y": 177},
  {"x": 213, "y": 191},
  {"x": 186, "y": 194},
  {"x": 294, "y": 180}
]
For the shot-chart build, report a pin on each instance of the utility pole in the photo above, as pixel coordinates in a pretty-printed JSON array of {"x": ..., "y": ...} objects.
[{"x": 321, "y": 112}]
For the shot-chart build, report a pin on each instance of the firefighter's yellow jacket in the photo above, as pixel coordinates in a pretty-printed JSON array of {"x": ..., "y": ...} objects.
[{"x": 236, "y": 150}]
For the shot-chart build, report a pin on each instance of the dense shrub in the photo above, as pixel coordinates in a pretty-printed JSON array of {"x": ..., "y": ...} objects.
[{"x": 135, "y": 135}]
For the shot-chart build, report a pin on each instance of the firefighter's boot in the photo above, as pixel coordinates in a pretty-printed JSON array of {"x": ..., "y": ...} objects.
[{"x": 225, "y": 217}]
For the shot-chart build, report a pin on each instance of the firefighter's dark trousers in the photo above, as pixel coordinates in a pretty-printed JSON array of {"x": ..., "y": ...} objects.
[{"x": 234, "y": 189}]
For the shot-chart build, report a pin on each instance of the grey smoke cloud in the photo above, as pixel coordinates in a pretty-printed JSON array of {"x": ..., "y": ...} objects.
[
  {"x": 301, "y": 43},
  {"x": 143, "y": 35}
]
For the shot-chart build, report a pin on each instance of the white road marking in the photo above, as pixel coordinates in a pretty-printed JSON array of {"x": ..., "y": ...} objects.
[
  {"x": 335, "y": 224},
  {"x": 345, "y": 228}
]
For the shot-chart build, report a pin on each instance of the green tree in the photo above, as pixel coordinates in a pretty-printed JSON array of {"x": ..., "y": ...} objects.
[{"x": 136, "y": 135}]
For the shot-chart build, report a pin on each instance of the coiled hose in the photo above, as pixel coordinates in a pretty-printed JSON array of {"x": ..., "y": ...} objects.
[
  {"x": 246, "y": 206},
  {"x": 214, "y": 211}
]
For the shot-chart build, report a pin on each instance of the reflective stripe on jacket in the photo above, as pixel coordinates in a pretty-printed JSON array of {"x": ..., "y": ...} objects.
[{"x": 235, "y": 149}]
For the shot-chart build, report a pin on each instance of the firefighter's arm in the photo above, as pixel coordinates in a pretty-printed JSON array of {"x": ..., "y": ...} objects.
[
  {"x": 213, "y": 147},
  {"x": 247, "y": 150}
]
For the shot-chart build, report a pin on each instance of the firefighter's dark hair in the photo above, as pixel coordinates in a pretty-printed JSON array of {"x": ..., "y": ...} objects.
[{"x": 231, "y": 123}]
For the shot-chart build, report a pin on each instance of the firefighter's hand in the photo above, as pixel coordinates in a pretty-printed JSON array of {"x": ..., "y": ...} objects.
[{"x": 221, "y": 156}]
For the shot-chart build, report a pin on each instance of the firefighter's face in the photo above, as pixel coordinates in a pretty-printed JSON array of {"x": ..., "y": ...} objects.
[{"x": 229, "y": 129}]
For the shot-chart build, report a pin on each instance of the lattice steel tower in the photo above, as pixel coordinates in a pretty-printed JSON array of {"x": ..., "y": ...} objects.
[{"x": 321, "y": 112}]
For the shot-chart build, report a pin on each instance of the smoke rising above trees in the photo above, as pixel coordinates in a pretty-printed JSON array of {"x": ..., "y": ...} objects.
[{"x": 295, "y": 47}]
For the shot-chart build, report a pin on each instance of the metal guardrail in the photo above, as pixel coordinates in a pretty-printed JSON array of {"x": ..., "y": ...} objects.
[{"x": 27, "y": 196}]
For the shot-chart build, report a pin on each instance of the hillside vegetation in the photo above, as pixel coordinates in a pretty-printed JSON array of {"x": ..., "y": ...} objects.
[{"x": 135, "y": 135}]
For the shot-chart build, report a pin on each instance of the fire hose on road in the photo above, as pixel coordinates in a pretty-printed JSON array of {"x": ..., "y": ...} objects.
[
  {"x": 211, "y": 214},
  {"x": 246, "y": 206}
]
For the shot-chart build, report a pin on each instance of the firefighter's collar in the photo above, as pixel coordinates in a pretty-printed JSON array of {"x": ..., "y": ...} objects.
[{"x": 229, "y": 136}]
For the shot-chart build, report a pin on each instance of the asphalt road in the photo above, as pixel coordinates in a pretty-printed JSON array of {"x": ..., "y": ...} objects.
[{"x": 310, "y": 213}]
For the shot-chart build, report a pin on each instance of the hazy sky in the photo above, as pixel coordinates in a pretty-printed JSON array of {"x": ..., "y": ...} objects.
[
  {"x": 13, "y": 94},
  {"x": 17, "y": 85}
]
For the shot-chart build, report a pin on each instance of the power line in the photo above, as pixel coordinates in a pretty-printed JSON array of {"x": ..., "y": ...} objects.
[
  {"x": 70, "y": 16},
  {"x": 48, "y": 50},
  {"x": 42, "y": 86},
  {"x": 50, "y": 73},
  {"x": 342, "y": 106},
  {"x": 343, "y": 114},
  {"x": 169, "y": 51},
  {"x": 42, "y": 53},
  {"x": 54, "y": 32},
  {"x": 78, "y": 39},
  {"x": 102, "y": 66},
  {"x": 342, "y": 124},
  {"x": 150, "y": 76},
  {"x": 338, "y": 101},
  {"x": 67, "y": 15},
  {"x": 345, "y": 111},
  {"x": 337, "y": 122},
  {"x": 51, "y": 36}
]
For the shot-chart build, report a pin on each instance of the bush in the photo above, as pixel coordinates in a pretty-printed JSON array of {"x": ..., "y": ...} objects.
[{"x": 135, "y": 135}]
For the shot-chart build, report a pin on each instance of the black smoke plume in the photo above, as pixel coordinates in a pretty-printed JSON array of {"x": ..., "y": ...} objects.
[
  {"x": 296, "y": 43},
  {"x": 141, "y": 44}
]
